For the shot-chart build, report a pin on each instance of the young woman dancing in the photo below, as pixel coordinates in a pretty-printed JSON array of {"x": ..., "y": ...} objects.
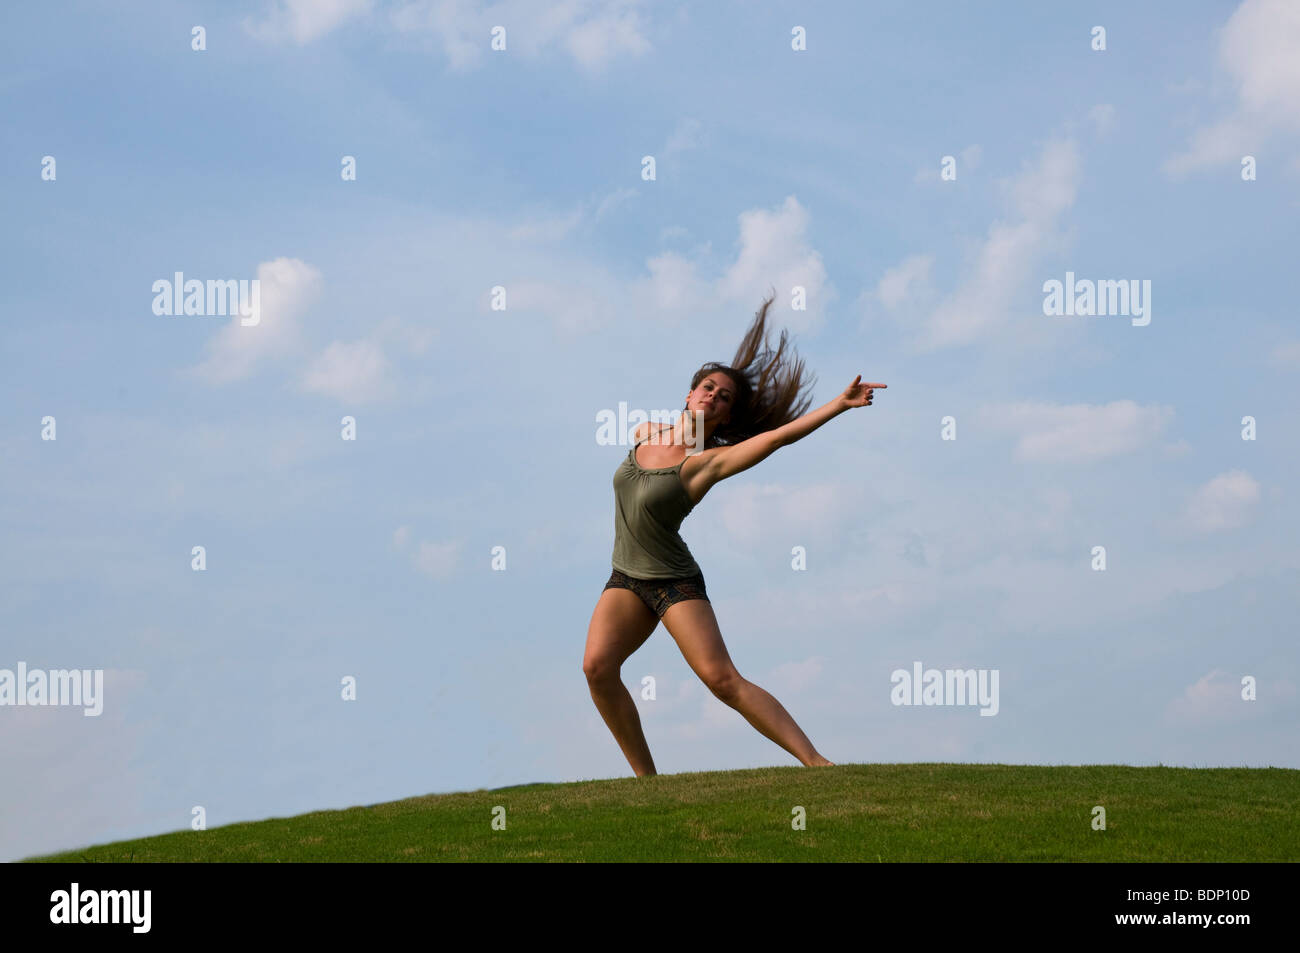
[{"x": 745, "y": 412}]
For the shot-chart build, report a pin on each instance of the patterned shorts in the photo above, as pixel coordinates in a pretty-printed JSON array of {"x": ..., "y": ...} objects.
[{"x": 659, "y": 594}]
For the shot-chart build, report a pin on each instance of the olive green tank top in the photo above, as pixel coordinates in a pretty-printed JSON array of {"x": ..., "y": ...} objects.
[{"x": 649, "y": 506}]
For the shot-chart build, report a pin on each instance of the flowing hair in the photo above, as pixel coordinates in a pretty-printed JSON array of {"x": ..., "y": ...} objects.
[{"x": 768, "y": 385}]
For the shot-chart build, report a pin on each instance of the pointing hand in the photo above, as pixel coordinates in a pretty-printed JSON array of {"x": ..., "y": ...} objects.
[{"x": 858, "y": 394}]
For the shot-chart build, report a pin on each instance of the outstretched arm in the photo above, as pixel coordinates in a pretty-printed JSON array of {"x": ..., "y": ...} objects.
[
  {"x": 855, "y": 395},
  {"x": 729, "y": 461}
]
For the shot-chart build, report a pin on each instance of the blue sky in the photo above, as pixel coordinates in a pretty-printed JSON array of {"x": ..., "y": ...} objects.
[{"x": 476, "y": 428}]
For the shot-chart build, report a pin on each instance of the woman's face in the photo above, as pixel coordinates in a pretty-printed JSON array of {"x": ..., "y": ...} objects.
[{"x": 713, "y": 397}]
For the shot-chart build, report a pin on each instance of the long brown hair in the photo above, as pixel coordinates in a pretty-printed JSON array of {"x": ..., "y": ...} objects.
[{"x": 768, "y": 385}]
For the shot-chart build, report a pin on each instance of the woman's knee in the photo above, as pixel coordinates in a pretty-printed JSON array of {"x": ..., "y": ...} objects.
[
  {"x": 725, "y": 683},
  {"x": 601, "y": 671}
]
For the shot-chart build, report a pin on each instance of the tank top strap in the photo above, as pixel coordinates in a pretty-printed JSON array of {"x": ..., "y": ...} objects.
[{"x": 649, "y": 435}]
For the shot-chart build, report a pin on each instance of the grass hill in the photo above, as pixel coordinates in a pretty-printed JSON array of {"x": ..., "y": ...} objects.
[{"x": 854, "y": 812}]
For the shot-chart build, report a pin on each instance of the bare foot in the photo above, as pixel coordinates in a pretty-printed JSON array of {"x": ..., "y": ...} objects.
[{"x": 823, "y": 763}]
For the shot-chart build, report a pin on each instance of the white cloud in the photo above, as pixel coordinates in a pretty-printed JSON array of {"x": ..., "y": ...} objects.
[
  {"x": 674, "y": 288},
  {"x": 356, "y": 372},
  {"x": 611, "y": 33},
  {"x": 1103, "y": 117},
  {"x": 408, "y": 338},
  {"x": 287, "y": 287},
  {"x": 791, "y": 678},
  {"x": 574, "y": 306},
  {"x": 302, "y": 21},
  {"x": 905, "y": 282},
  {"x": 437, "y": 560},
  {"x": 1215, "y": 696},
  {"x": 1224, "y": 502},
  {"x": 554, "y": 228},
  {"x": 360, "y": 371},
  {"x": 1045, "y": 189},
  {"x": 1258, "y": 51},
  {"x": 546, "y": 229},
  {"x": 611, "y": 201},
  {"x": 774, "y": 251},
  {"x": 1053, "y": 433},
  {"x": 401, "y": 535},
  {"x": 1258, "y": 47},
  {"x": 885, "y": 605},
  {"x": 1039, "y": 195},
  {"x": 1285, "y": 354},
  {"x": 751, "y": 513},
  {"x": 593, "y": 32},
  {"x": 685, "y": 136}
]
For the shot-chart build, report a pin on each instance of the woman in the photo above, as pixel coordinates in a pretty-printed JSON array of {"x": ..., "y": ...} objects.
[{"x": 743, "y": 412}]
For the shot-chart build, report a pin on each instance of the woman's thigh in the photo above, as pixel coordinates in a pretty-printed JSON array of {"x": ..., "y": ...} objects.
[
  {"x": 694, "y": 628},
  {"x": 619, "y": 626}
]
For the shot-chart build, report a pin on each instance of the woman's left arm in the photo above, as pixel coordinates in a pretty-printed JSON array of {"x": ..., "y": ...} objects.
[{"x": 855, "y": 395}]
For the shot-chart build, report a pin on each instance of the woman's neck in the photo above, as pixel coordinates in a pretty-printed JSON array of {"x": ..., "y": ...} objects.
[{"x": 686, "y": 426}]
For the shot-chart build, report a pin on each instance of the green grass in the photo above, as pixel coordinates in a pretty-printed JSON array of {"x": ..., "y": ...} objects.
[{"x": 855, "y": 812}]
